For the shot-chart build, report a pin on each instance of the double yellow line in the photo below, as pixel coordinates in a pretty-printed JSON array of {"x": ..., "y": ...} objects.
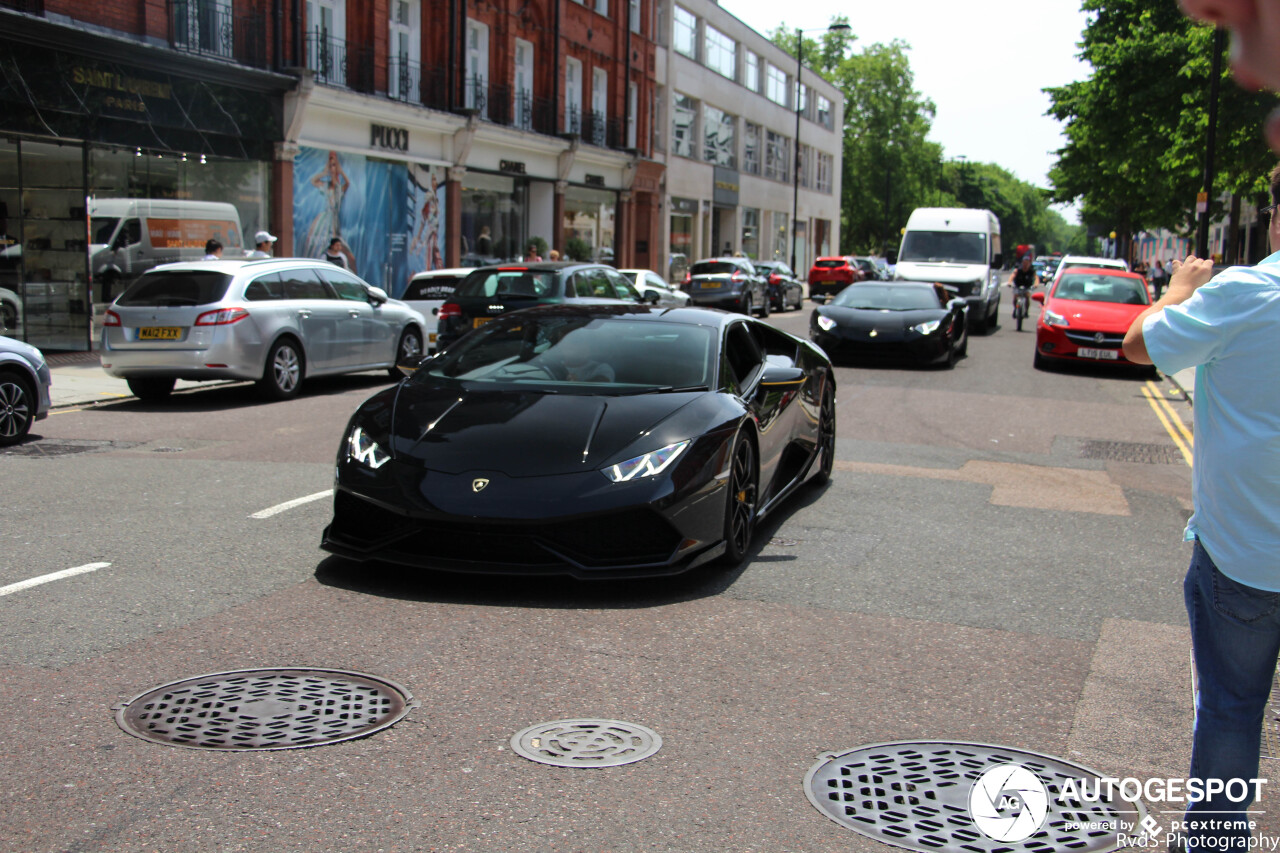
[{"x": 1172, "y": 422}]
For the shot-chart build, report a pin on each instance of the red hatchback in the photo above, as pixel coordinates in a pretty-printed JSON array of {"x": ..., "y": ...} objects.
[
  {"x": 1086, "y": 315},
  {"x": 829, "y": 276}
]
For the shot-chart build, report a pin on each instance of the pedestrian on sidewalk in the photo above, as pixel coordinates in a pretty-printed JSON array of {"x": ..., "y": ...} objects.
[
  {"x": 212, "y": 250},
  {"x": 264, "y": 245},
  {"x": 1159, "y": 278},
  {"x": 1225, "y": 326}
]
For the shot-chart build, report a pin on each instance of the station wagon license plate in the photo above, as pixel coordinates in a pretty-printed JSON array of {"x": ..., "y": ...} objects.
[
  {"x": 479, "y": 321},
  {"x": 1089, "y": 352},
  {"x": 159, "y": 333}
]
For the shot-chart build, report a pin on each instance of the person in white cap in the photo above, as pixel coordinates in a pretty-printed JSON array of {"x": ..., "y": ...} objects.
[{"x": 264, "y": 241}]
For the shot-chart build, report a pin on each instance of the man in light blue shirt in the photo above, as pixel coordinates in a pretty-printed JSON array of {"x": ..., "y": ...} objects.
[{"x": 1228, "y": 328}]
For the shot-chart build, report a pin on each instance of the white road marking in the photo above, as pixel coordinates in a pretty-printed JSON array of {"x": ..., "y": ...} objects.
[
  {"x": 55, "y": 576},
  {"x": 279, "y": 508}
]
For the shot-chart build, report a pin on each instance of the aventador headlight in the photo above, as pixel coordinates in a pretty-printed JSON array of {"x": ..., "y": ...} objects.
[
  {"x": 825, "y": 323},
  {"x": 645, "y": 465},
  {"x": 365, "y": 450},
  {"x": 927, "y": 328}
]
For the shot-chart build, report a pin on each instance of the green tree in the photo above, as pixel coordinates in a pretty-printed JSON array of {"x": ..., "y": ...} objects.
[{"x": 1136, "y": 127}]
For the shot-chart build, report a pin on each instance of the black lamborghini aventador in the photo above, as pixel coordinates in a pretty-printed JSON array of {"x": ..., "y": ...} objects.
[{"x": 594, "y": 441}]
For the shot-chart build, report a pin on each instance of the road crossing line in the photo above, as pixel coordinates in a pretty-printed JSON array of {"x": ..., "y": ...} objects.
[
  {"x": 279, "y": 508},
  {"x": 54, "y": 576}
]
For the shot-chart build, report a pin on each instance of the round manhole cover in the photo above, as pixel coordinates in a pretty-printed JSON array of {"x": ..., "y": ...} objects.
[
  {"x": 265, "y": 709},
  {"x": 932, "y": 795},
  {"x": 586, "y": 743}
]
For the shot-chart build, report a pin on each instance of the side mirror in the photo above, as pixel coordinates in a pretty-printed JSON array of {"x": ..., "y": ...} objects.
[
  {"x": 410, "y": 364},
  {"x": 1038, "y": 297},
  {"x": 652, "y": 297},
  {"x": 957, "y": 303},
  {"x": 777, "y": 375},
  {"x": 997, "y": 260},
  {"x": 377, "y": 295}
]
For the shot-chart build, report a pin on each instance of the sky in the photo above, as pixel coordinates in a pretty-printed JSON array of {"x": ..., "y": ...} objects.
[{"x": 983, "y": 63}]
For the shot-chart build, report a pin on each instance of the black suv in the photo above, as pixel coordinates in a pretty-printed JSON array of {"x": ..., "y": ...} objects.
[
  {"x": 492, "y": 291},
  {"x": 730, "y": 283}
]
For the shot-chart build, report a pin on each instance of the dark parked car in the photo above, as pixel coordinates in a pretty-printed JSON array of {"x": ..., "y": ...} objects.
[
  {"x": 729, "y": 283},
  {"x": 785, "y": 290},
  {"x": 589, "y": 440},
  {"x": 868, "y": 267},
  {"x": 493, "y": 291},
  {"x": 908, "y": 320}
]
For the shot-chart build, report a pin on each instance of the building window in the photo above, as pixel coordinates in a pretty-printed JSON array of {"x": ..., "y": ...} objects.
[
  {"x": 824, "y": 116},
  {"x": 477, "y": 83},
  {"x": 633, "y": 105},
  {"x": 599, "y": 105},
  {"x": 686, "y": 35},
  {"x": 781, "y": 235},
  {"x": 721, "y": 53},
  {"x": 751, "y": 148},
  {"x": 633, "y": 16},
  {"x": 203, "y": 27},
  {"x": 777, "y": 156},
  {"x": 718, "y": 129},
  {"x": 775, "y": 86},
  {"x": 751, "y": 232},
  {"x": 801, "y": 99},
  {"x": 602, "y": 6},
  {"x": 826, "y": 164},
  {"x": 524, "y": 85},
  {"x": 752, "y": 77},
  {"x": 806, "y": 166},
  {"x": 683, "y": 118},
  {"x": 404, "y": 73},
  {"x": 572, "y": 95},
  {"x": 326, "y": 41}
]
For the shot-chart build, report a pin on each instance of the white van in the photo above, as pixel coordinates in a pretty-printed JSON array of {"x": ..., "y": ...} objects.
[
  {"x": 129, "y": 236},
  {"x": 958, "y": 247}
]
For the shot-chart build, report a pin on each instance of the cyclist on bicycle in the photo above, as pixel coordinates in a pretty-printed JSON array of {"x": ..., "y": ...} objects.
[{"x": 1022, "y": 280}]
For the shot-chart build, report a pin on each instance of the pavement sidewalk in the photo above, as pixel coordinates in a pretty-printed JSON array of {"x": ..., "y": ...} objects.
[{"x": 79, "y": 380}]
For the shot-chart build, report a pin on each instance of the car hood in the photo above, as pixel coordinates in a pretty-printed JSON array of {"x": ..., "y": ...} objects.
[
  {"x": 872, "y": 318},
  {"x": 1096, "y": 316},
  {"x": 453, "y": 430},
  {"x": 943, "y": 271}
]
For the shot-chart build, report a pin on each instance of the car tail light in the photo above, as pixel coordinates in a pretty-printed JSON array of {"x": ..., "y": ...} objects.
[
  {"x": 449, "y": 309},
  {"x": 775, "y": 278},
  {"x": 221, "y": 317},
  {"x": 112, "y": 319},
  {"x": 737, "y": 275},
  {"x": 688, "y": 277}
]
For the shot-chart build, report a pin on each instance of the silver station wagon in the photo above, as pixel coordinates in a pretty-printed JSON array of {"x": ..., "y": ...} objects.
[{"x": 274, "y": 321}]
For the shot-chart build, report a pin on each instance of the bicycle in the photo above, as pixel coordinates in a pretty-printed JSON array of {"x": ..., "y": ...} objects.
[{"x": 1021, "y": 304}]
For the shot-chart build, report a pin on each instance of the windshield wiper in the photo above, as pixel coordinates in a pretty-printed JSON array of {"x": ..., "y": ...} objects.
[{"x": 669, "y": 389}]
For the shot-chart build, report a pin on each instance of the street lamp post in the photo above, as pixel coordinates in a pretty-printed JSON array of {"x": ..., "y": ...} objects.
[{"x": 795, "y": 172}]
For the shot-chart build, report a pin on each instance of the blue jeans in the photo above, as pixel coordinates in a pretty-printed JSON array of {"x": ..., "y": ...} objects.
[{"x": 1235, "y": 636}]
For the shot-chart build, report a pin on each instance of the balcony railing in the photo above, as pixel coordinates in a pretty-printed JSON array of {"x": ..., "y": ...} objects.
[
  {"x": 337, "y": 63},
  {"x": 404, "y": 80},
  {"x": 211, "y": 28}
]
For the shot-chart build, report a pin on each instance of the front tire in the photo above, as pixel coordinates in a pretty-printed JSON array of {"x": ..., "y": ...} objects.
[
  {"x": 282, "y": 376},
  {"x": 17, "y": 408},
  {"x": 410, "y": 345},
  {"x": 151, "y": 389},
  {"x": 740, "y": 512}
]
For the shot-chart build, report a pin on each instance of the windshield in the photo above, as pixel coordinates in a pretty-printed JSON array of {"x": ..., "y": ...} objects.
[
  {"x": 1083, "y": 287},
  {"x": 508, "y": 282},
  {"x": 576, "y": 354},
  {"x": 829, "y": 263},
  {"x": 176, "y": 289},
  {"x": 102, "y": 227},
  {"x": 956, "y": 247},
  {"x": 717, "y": 268},
  {"x": 886, "y": 297}
]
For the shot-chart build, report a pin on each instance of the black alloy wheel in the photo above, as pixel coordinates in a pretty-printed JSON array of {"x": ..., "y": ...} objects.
[
  {"x": 740, "y": 514},
  {"x": 282, "y": 377},
  {"x": 17, "y": 408},
  {"x": 826, "y": 436},
  {"x": 410, "y": 346},
  {"x": 151, "y": 388}
]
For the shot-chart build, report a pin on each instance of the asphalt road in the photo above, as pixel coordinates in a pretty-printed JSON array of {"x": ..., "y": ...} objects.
[{"x": 976, "y": 570}]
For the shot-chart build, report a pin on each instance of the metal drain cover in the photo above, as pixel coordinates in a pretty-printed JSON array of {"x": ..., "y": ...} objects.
[
  {"x": 251, "y": 709},
  {"x": 1131, "y": 451},
  {"x": 586, "y": 743},
  {"x": 917, "y": 795}
]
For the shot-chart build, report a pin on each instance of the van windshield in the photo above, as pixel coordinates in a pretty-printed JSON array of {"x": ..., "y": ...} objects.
[
  {"x": 102, "y": 227},
  {"x": 956, "y": 247}
]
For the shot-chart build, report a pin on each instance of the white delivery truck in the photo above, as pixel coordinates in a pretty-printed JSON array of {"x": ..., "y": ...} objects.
[
  {"x": 129, "y": 236},
  {"x": 960, "y": 248}
]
